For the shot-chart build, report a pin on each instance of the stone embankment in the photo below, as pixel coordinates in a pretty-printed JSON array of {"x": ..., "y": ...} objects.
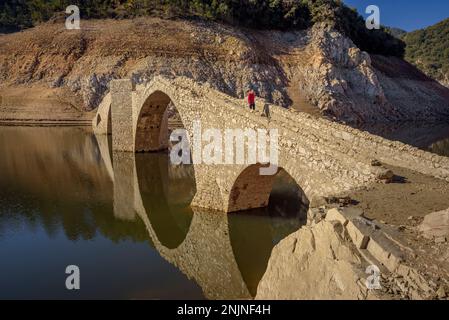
[{"x": 332, "y": 257}]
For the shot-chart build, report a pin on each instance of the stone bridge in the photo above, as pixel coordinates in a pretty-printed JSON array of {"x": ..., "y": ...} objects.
[{"x": 323, "y": 157}]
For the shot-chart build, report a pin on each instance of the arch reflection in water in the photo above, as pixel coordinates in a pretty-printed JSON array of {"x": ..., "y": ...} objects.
[
  {"x": 226, "y": 255},
  {"x": 166, "y": 193}
]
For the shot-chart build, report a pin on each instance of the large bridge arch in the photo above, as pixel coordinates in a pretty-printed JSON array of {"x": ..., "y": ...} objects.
[
  {"x": 152, "y": 105},
  {"x": 151, "y": 131},
  {"x": 250, "y": 189}
]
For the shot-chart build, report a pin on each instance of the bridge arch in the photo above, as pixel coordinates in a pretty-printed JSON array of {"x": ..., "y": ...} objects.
[
  {"x": 151, "y": 132},
  {"x": 252, "y": 190}
]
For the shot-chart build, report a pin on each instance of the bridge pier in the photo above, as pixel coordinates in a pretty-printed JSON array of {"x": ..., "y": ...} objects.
[
  {"x": 208, "y": 193},
  {"x": 122, "y": 115}
]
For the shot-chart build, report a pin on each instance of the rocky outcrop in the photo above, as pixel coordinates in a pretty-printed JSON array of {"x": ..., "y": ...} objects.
[
  {"x": 314, "y": 263},
  {"x": 314, "y": 70},
  {"x": 349, "y": 88},
  {"x": 342, "y": 255}
]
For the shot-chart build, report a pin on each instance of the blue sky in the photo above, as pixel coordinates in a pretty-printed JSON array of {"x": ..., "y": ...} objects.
[{"x": 406, "y": 14}]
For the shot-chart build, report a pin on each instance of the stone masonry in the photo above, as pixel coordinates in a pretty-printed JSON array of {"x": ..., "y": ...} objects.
[{"x": 325, "y": 158}]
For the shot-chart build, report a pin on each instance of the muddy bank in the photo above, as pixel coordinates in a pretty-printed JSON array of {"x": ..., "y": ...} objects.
[
  {"x": 411, "y": 194},
  {"x": 29, "y": 105}
]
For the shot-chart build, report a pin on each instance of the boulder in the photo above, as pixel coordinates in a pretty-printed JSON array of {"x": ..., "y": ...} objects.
[{"x": 436, "y": 225}]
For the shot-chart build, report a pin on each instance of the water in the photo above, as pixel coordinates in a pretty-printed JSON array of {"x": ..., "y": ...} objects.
[{"x": 125, "y": 221}]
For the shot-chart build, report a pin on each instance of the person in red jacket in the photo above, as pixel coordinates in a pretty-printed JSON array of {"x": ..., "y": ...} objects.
[{"x": 252, "y": 99}]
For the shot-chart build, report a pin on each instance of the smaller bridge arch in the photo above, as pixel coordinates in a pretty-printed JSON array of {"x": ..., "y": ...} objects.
[{"x": 250, "y": 190}]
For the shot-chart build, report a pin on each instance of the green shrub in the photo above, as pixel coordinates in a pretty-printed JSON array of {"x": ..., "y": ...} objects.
[{"x": 428, "y": 49}]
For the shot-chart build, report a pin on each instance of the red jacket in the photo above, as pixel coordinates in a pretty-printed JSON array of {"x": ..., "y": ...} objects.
[{"x": 251, "y": 98}]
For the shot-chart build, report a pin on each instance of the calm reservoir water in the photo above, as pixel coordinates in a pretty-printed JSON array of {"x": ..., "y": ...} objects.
[{"x": 125, "y": 221}]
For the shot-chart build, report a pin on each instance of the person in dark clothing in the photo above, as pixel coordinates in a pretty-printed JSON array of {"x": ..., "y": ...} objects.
[{"x": 252, "y": 99}]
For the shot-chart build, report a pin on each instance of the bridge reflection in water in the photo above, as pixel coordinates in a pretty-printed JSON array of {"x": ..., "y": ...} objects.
[{"x": 225, "y": 254}]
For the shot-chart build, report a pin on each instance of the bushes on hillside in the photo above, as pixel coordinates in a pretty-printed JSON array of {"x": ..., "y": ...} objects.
[{"x": 429, "y": 49}]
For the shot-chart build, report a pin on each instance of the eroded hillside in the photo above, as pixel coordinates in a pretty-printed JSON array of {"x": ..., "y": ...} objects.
[{"x": 317, "y": 71}]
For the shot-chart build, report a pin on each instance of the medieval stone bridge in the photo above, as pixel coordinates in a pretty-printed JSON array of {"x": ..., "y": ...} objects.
[{"x": 323, "y": 157}]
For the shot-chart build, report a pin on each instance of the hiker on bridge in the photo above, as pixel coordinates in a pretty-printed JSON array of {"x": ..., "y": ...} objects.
[{"x": 251, "y": 99}]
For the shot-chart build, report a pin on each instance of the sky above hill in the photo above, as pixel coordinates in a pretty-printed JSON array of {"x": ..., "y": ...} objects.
[{"x": 408, "y": 15}]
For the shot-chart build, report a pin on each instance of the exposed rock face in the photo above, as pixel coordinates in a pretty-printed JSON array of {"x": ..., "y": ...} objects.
[
  {"x": 341, "y": 81},
  {"x": 316, "y": 70}
]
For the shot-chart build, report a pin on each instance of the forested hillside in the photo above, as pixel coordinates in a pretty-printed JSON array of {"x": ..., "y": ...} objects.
[
  {"x": 262, "y": 14},
  {"x": 428, "y": 49}
]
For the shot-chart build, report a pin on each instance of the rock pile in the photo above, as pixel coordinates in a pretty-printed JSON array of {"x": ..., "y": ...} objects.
[{"x": 334, "y": 256}]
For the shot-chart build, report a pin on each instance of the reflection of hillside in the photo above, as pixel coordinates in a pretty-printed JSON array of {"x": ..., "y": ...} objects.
[
  {"x": 54, "y": 178},
  {"x": 78, "y": 220},
  {"x": 53, "y": 162}
]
